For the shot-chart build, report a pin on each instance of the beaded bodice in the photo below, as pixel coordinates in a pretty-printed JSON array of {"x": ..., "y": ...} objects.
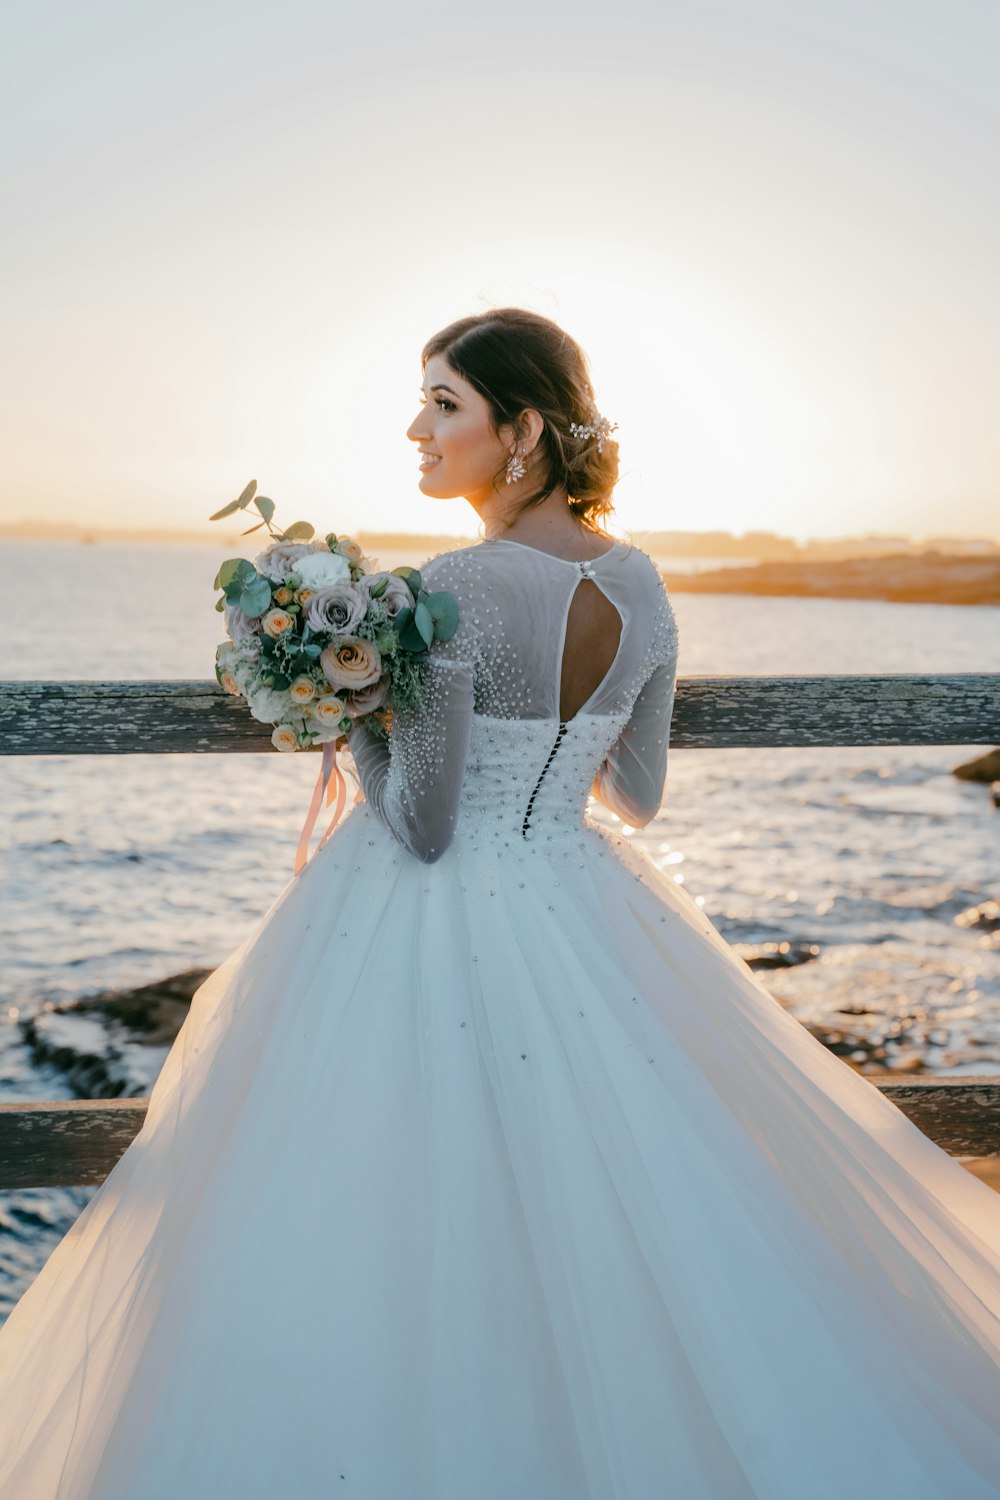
[
  {"x": 527, "y": 780},
  {"x": 488, "y": 756},
  {"x": 514, "y": 602}
]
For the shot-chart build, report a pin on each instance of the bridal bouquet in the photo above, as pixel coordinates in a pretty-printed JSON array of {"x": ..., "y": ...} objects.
[{"x": 319, "y": 641}]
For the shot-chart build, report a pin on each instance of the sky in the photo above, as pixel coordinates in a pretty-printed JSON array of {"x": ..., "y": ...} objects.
[{"x": 226, "y": 230}]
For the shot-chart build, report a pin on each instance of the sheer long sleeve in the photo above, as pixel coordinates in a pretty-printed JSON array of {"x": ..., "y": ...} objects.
[
  {"x": 630, "y": 783},
  {"x": 413, "y": 781}
]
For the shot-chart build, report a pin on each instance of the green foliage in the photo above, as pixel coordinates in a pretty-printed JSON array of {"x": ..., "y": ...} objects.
[
  {"x": 256, "y": 596},
  {"x": 434, "y": 617},
  {"x": 444, "y": 612},
  {"x": 424, "y": 620},
  {"x": 411, "y": 577},
  {"x": 243, "y": 585}
]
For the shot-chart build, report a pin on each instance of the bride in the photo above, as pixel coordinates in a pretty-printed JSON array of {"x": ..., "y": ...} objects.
[{"x": 485, "y": 1168}]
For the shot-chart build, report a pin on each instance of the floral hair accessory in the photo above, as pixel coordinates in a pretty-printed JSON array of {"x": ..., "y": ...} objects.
[{"x": 600, "y": 428}]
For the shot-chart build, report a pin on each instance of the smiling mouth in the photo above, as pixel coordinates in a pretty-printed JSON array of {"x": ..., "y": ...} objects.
[{"x": 428, "y": 460}]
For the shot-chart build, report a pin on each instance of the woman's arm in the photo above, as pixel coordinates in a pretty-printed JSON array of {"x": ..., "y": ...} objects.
[
  {"x": 630, "y": 782},
  {"x": 413, "y": 781}
]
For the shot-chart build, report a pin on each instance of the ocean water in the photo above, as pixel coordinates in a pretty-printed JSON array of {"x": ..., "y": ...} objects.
[{"x": 120, "y": 870}]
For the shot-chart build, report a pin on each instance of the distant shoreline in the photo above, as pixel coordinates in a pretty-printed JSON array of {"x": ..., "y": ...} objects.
[
  {"x": 914, "y": 577},
  {"x": 929, "y": 578}
]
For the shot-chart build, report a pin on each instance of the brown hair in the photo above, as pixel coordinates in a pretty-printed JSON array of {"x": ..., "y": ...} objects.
[{"x": 517, "y": 359}]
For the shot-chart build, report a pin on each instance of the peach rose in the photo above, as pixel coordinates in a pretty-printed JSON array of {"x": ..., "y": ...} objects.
[
  {"x": 328, "y": 710},
  {"x": 230, "y": 684},
  {"x": 302, "y": 690},
  {"x": 284, "y": 595},
  {"x": 349, "y": 548},
  {"x": 352, "y": 665},
  {"x": 276, "y": 622},
  {"x": 284, "y": 737}
]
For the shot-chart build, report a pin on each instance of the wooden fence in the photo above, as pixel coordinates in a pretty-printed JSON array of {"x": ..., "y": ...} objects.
[{"x": 68, "y": 1142}]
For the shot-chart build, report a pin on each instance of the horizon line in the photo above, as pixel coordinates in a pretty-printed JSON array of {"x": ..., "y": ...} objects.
[{"x": 74, "y": 531}]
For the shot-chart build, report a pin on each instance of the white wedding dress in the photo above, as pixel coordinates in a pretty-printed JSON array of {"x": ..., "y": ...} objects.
[{"x": 550, "y": 1199}]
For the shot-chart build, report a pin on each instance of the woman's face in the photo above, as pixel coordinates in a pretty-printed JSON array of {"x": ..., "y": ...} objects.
[{"x": 459, "y": 452}]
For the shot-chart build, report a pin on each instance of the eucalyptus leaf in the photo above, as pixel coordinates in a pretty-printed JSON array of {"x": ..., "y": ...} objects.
[
  {"x": 247, "y": 495},
  {"x": 424, "y": 621},
  {"x": 253, "y": 528},
  {"x": 444, "y": 609},
  {"x": 265, "y": 506},
  {"x": 411, "y": 577},
  {"x": 226, "y": 510},
  {"x": 299, "y": 531},
  {"x": 410, "y": 638},
  {"x": 256, "y": 597},
  {"x": 220, "y": 605},
  {"x": 403, "y": 617}
]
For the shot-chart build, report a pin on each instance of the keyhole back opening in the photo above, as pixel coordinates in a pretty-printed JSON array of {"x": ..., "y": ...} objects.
[{"x": 591, "y": 642}]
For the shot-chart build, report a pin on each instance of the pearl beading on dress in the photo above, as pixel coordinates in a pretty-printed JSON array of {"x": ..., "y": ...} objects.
[
  {"x": 504, "y": 758},
  {"x": 512, "y": 597}
]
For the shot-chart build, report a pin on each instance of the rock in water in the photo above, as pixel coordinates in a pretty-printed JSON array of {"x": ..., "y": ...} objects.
[
  {"x": 983, "y": 768},
  {"x": 113, "y": 1044}
]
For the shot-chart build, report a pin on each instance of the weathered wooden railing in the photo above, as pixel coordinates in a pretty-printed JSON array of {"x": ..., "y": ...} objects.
[{"x": 68, "y": 1142}]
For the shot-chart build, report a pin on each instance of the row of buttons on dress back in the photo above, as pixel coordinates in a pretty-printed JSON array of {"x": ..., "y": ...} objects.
[{"x": 531, "y": 800}]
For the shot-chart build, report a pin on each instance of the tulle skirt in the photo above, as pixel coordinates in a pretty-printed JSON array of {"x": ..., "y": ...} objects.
[{"x": 503, "y": 1176}]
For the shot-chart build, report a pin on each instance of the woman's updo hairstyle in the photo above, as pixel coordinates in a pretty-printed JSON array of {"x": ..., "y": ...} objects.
[{"x": 517, "y": 359}]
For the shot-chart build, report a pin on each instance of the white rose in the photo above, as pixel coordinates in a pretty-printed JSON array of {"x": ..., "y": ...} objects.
[
  {"x": 282, "y": 558},
  {"x": 270, "y": 707},
  {"x": 318, "y": 569}
]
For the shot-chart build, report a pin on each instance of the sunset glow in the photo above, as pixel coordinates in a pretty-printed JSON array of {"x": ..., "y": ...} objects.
[{"x": 768, "y": 222}]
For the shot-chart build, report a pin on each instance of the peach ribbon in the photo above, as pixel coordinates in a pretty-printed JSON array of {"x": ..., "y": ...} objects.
[{"x": 331, "y": 781}]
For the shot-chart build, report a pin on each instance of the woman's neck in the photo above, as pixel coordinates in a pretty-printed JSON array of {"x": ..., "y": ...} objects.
[{"x": 550, "y": 526}]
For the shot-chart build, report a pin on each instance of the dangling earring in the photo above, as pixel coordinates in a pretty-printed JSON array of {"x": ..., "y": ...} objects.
[{"x": 515, "y": 466}]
